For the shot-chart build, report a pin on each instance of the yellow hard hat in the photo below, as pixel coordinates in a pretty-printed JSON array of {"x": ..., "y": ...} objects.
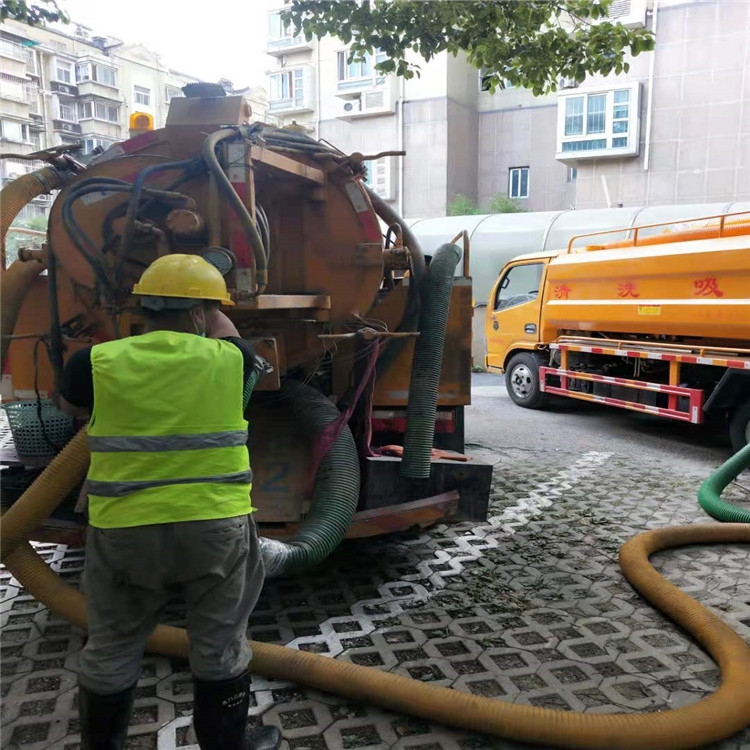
[{"x": 184, "y": 276}]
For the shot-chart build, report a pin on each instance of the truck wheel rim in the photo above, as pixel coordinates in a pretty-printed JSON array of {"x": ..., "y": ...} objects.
[{"x": 521, "y": 382}]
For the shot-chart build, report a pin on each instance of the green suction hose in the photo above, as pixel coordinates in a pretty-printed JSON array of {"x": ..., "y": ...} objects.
[
  {"x": 709, "y": 494},
  {"x": 428, "y": 362}
]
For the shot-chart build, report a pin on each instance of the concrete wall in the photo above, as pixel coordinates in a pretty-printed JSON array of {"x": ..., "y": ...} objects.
[
  {"x": 523, "y": 136},
  {"x": 700, "y": 139},
  {"x": 425, "y": 165}
]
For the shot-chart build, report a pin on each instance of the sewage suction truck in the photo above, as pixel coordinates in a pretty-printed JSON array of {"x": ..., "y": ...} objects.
[{"x": 658, "y": 324}]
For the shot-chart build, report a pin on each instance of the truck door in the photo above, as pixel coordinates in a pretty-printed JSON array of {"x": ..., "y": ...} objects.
[{"x": 513, "y": 311}]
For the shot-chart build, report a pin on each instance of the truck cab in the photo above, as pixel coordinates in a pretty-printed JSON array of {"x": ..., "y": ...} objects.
[{"x": 513, "y": 325}]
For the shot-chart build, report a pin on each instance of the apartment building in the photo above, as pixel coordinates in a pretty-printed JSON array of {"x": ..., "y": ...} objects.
[
  {"x": 65, "y": 85},
  {"x": 674, "y": 129}
]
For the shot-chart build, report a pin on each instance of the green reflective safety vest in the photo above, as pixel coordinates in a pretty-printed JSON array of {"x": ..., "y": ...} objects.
[{"x": 167, "y": 435}]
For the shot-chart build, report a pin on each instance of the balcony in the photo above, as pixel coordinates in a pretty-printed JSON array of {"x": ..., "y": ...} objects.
[
  {"x": 13, "y": 51},
  {"x": 99, "y": 90},
  {"x": 66, "y": 89},
  {"x": 63, "y": 126},
  {"x": 287, "y": 45},
  {"x": 281, "y": 37}
]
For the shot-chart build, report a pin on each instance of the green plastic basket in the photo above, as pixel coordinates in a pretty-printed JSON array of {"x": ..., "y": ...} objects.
[{"x": 32, "y": 437}]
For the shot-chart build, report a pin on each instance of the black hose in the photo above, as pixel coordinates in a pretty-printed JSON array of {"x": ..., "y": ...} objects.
[
  {"x": 56, "y": 346},
  {"x": 410, "y": 321},
  {"x": 428, "y": 362},
  {"x": 135, "y": 197},
  {"x": 336, "y": 492},
  {"x": 208, "y": 151}
]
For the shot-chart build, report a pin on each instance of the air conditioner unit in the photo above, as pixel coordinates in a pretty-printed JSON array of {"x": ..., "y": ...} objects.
[
  {"x": 348, "y": 108},
  {"x": 568, "y": 83},
  {"x": 630, "y": 13},
  {"x": 377, "y": 101}
]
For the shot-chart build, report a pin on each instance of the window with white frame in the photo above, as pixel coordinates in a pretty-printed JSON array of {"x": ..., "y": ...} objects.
[
  {"x": 89, "y": 144},
  {"x": 378, "y": 176},
  {"x": 63, "y": 71},
  {"x": 571, "y": 174},
  {"x": 142, "y": 96},
  {"x": 94, "y": 72},
  {"x": 67, "y": 112},
  {"x": 355, "y": 70},
  {"x": 485, "y": 77},
  {"x": 17, "y": 132},
  {"x": 98, "y": 110},
  {"x": 599, "y": 123},
  {"x": 287, "y": 89},
  {"x": 518, "y": 182},
  {"x": 281, "y": 34},
  {"x": 171, "y": 92}
]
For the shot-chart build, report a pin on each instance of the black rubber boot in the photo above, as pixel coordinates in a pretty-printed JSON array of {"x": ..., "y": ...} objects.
[
  {"x": 220, "y": 717},
  {"x": 104, "y": 718}
]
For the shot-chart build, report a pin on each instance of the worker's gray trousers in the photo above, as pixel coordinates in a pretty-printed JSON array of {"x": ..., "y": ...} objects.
[{"x": 130, "y": 574}]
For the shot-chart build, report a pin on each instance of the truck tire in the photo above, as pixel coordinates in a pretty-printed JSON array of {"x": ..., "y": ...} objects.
[
  {"x": 739, "y": 426},
  {"x": 522, "y": 381}
]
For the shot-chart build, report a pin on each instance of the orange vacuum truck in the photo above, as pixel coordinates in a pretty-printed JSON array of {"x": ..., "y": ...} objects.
[
  {"x": 657, "y": 323},
  {"x": 354, "y": 330},
  {"x": 352, "y": 326}
]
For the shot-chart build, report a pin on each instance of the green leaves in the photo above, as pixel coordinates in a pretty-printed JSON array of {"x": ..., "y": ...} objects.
[
  {"x": 531, "y": 43},
  {"x": 31, "y": 13}
]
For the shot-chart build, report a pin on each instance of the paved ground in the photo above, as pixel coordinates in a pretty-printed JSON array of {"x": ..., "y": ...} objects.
[{"x": 529, "y": 607}]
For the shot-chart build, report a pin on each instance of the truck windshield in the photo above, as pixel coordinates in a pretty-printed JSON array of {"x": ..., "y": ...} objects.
[{"x": 520, "y": 284}]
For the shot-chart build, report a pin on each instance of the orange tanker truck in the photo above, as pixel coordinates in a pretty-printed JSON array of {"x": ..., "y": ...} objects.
[
  {"x": 658, "y": 324},
  {"x": 357, "y": 425}
]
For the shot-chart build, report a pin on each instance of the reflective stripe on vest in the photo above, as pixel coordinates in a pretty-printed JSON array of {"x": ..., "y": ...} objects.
[
  {"x": 167, "y": 442},
  {"x": 121, "y": 489},
  {"x": 167, "y": 434}
]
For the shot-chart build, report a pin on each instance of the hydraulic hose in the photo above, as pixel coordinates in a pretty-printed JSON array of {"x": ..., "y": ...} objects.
[
  {"x": 208, "y": 151},
  {"x": 23, "y": 190},
  {"x": 428, "y": 362},
  {"x": 336, "y": 491},
  {"x": 15, "y": 282},
  {"x": 709, "y": 720},
  {"x": 135, "y": 197},
  {"x": 709, "y": 494},
  {"x": 410, "y": 321}
]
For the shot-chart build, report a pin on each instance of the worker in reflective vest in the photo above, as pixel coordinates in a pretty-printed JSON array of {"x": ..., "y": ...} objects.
[{"x": 169, "y": 505}]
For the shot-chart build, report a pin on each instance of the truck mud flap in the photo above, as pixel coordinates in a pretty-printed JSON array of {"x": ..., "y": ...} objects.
[{"x": 382, "y": 485}]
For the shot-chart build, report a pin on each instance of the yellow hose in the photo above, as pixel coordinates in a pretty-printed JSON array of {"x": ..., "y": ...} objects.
[
  {"x": 14, "y": 284},
  {"x": 22, "y": 190},
  {"x": 715, "y": 717}
]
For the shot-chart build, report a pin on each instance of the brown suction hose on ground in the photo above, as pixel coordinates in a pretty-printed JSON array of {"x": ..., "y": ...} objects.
[{"x": 718, "y": 716}]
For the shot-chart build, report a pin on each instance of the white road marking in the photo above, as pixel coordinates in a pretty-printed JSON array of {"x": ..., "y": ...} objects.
[{"x": 471, "y": 546}]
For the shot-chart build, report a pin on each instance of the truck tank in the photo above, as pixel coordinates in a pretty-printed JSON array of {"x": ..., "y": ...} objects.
[{"x": 686, "y": 284}]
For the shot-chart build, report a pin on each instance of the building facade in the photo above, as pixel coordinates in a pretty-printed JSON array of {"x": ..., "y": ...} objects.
[
  {"x": 674, "y": 129},
  {"x": 65, "y": 85}
]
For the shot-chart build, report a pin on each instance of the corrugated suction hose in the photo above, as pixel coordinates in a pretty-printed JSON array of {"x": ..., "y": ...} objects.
[
  {"x": 428, "y": 362},
  {"x": 709, "y": 494},
  {"x": 22, "y": 190},
  {"x": 15, "y": 282},
  {"x": 335, "y": 494}
]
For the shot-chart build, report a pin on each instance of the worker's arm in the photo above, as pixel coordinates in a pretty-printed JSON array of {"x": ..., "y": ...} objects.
[
  {"x": 218, "y": 325},
  {"x": 77, "y": 386}
]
